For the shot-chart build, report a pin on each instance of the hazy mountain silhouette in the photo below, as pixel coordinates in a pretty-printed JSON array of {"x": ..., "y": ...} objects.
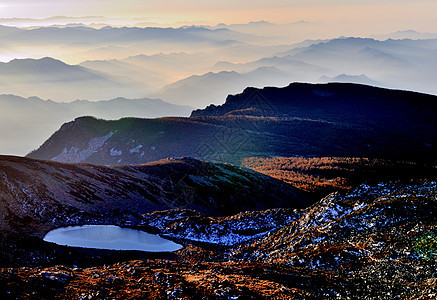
[
  {"x": 406, "y": 34},
  {"x": 7, "y": 30},
  {"x": 280, "y": 33},
  {"x": 209, "y": 88},
  {"x": 403, "y": 64},
  {"x": 361, "y": 79},
  {"x": 135, "y": 62},
  {"x": 156, "y": 70},
  {"x": 86, "y": 35},
  {"x": 53, "y": 79},
  {"x": 396, "y": 64}
]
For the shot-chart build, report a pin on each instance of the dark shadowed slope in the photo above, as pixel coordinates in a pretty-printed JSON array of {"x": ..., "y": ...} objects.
[
  {"x": 335, "y": 119},
  {"x": 37, "y": 194},
  {"x": 336, "y": 102}
]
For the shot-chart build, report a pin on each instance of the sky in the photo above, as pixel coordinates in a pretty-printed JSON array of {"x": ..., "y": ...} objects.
[{"x": 389, "y": 14}]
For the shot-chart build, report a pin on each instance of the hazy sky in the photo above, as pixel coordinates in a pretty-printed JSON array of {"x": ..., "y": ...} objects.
[{"x": 390, "y": 14}]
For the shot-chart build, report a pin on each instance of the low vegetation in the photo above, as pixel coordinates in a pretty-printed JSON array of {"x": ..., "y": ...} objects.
[{"x": 323, "y": 175}]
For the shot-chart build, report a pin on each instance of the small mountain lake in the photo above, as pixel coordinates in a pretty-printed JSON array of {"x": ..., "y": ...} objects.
[{"x": 110, "y": 237}]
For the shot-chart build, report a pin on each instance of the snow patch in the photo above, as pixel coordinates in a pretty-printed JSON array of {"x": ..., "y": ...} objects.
[
  {"x": 136, "y": 149},
  {"x": 115, "y": 152},
  {"x": 76, "y": 155}
]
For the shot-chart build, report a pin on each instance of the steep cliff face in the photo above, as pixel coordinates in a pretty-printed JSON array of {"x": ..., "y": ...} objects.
[{"x": 298, "y": 120}]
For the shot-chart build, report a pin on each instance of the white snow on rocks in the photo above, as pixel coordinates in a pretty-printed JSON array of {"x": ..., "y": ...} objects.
[
  {"x": 115, "y": 152},
  {"x": 136, "y": 149},
  {"x": 76, "y": 155}
]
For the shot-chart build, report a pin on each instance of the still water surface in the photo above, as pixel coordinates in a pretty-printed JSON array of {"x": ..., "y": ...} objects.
[{"x": 110, "y": 237}]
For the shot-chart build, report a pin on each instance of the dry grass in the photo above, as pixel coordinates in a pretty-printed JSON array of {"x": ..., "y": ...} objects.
[{"x": 323, "y": 175}]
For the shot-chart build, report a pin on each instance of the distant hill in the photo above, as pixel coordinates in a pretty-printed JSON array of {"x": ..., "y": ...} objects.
[
  {"x": 25, "y": 123},
  {"x": 335, "y": 119},
  {"x": 200, "y": 90},
  {"x": 156, "y": 70},
  {"x": 361, "y": 79},
  {"x": 8, "y": 30},
  {"x": 406, "y": 34}
]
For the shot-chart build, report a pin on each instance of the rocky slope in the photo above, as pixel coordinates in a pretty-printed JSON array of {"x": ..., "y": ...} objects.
[
  {"x": 375, "y": 242},
  {"x": 299, "y": 120},
  {"x": 379, "y": 238},
  {"x": 190, "y": 226}
]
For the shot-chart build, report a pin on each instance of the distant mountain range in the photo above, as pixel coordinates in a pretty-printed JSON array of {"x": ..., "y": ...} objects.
[
  {"x": 361, "y": 79},
  {"x": 400, "y": 64},
  {"x": 336, "y": 119},
  {"x": 217, "y": 66},
  {"x": 222, "y": 62},
  {"x": 218, "y": 85},
  {"x": 85, "y": 35},
  {"x": 26, "y": 122},
  {"x": 156, "y": 70}
]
